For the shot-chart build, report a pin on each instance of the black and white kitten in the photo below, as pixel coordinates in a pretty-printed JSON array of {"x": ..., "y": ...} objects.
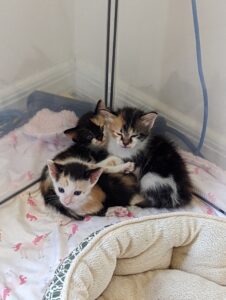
[
  {"x": 76, "y": 185},
  {"x": 164, "y": 179}
]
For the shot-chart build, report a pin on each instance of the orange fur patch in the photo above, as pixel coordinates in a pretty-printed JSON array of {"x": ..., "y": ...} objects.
[
  {"x": 45, "y": 185},
  {"x": 116, "y": 124},
  {"x": 95, "y": 203},
  {"x": 63, "y": 181},
  {"x": 82, "y": 185},
  {"x": 98, "y": 120}
]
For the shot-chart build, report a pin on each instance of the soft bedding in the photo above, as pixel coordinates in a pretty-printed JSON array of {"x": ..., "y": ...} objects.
[
  {"x": 23, "y": 151},
  {"x": 34, "y": 239},
  {"x": 167, "y": 256}
]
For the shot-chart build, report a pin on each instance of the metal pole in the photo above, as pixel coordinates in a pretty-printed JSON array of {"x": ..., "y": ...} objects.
[
  {"x": 107, "y": 52},
  {"x": 113, "y": 54}
]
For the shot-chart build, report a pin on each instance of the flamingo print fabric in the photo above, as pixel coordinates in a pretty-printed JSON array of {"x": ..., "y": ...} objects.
[
  {"x": 35, "y": 239},
  {"x": 24, "y": 151}
]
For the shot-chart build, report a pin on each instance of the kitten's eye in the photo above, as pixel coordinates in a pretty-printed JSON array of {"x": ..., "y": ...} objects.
[
  {"x": 119, "y": 133},
  {"x": 77, "y": 193},
  {"x": 134, "y": 136},
  {"x": 61, "y": 190},
  {"x": 142, "y": 135},
  {"x": 89, "y": 137}
]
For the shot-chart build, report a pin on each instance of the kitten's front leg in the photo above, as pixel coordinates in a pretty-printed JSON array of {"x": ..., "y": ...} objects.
[
  {"x": 127, "y": 167},
  {"x": 110, "y": 161}
]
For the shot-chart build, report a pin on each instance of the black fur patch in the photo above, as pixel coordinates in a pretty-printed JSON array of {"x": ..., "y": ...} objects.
[
  {"x": 77, "y": 151},
  {"x": 76, "y": 171},
  {"x": 86, "y": 130},
  {"x": 159, "y": 197},
  {"x": 86, "y": 123},
  {"x": 117, "y": 193}
]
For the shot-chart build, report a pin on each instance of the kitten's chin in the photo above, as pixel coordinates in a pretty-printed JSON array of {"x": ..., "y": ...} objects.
[
  {"x": 127, "y": 147},
  {"x": 124, "y": 152}
]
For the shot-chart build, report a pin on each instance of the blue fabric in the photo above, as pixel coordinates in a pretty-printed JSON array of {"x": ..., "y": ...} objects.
[{"x": 12, "y": 118}]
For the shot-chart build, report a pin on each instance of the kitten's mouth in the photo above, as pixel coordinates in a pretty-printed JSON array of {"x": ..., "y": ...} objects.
[{"x": 126, "y": 146}]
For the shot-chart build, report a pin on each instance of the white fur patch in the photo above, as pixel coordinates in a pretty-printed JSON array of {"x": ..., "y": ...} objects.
[
  {"x": 117, "y": 150},
  {"x": 154, "y": 181}
]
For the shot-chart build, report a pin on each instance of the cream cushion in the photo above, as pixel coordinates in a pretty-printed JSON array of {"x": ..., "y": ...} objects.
[{"x": 167, "y": 256}]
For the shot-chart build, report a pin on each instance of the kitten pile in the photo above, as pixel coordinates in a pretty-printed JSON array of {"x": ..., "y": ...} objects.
[{"x": 115, "y": 161}]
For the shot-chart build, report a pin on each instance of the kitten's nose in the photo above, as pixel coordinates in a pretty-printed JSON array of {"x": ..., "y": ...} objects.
[
  {"x": 126, "y": 142},
  {"x": 67, "y": 200},
  {"x": 100, "y": 137}
]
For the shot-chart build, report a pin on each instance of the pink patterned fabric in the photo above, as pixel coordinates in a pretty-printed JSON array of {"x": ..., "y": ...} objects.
[
  {"x": 209, "y": 179},
  {"x": 24, "y": 151},
  {"x": 34, "y": 239}
]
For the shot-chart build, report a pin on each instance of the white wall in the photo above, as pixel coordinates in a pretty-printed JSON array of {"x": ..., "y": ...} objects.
[
  {"x": 37, "y": 43},
  {"x": 90, "y": 47},
  {"x": 156, "y": 62}
]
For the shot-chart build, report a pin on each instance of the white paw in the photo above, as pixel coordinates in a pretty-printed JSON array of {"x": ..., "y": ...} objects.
[
  {"x": 114, "y": 161},
  {"x": 117, "y": 211},
  {"x": 129, "y": 167}
]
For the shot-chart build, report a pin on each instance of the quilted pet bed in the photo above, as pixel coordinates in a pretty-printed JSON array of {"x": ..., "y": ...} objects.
[{"x": 169, "y": 256}]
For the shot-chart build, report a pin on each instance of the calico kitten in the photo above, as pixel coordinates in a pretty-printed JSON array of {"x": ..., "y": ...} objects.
[
  {"x": 164, "y": 179},
  {"x": 75, "y": 185},
  {"x": 90, "y": 132}
]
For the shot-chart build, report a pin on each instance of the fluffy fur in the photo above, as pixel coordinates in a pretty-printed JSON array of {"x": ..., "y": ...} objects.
[
  {"x": 90, "y": 130},
  {"x": 75, "y": 184},
  {"x": 164, "y": 179}
]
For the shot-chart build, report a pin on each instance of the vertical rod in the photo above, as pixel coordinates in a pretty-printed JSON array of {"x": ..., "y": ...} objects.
[
  {"x": 201, "y": 76},
  {"x": 107, "y": 52},
  {"x": 113, "y": 54}
]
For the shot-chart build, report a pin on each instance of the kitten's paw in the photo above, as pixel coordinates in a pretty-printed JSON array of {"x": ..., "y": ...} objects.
[
  {"x": 117, "y": 211},
  {"x": 129, "y": 167},
  {"x": 114, "y": 161}
]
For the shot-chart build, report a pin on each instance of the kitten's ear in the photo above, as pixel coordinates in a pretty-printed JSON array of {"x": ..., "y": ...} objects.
[
  {"x": 148, "y": 119},
  {"x": 100, "y": 105},
  {"x": 54, "y": 168},
  {"x": 107, "y": 115},
  {"x": 71, "y": 133},
  {"x": 94, "y": 175}
]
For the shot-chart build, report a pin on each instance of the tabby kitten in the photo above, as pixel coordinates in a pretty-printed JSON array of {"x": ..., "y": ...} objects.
[
  {"x": 75, "y": 185},
  {"x": 164, "y": 179}
]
